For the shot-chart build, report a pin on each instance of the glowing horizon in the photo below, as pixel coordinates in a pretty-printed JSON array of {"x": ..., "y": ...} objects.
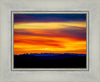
[{"x": 52, "y": 35}]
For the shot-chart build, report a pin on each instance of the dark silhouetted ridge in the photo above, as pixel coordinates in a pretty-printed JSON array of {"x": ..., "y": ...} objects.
[{"x": 50, "y": 60}]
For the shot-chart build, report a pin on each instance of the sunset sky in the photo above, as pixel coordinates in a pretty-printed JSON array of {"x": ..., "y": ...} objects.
[{"x": 49, "y": 33}]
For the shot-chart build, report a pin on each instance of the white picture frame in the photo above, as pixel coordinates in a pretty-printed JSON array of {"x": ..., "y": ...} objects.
[
  {"x": 49, "y": 12},
  {"x": 6, "y": 74}
]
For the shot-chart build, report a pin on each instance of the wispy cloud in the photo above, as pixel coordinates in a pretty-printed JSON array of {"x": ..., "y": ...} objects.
[{"x": 64, "y": 35}]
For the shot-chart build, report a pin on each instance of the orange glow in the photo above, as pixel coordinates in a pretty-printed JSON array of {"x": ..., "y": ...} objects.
[{"x": 49, "y": 38}]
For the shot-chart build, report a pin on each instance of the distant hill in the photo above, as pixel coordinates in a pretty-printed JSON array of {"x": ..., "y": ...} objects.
[
  {"x": 51, "y": 61},
  {"x": 53, "y": 54}
]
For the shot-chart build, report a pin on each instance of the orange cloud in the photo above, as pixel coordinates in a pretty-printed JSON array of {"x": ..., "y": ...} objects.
[{"x": 50, "y": 38}]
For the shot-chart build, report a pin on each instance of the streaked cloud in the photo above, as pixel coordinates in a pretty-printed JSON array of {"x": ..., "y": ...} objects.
[
  {"x": 50, "y": 25},
  {"x": 67, "y": 35}
]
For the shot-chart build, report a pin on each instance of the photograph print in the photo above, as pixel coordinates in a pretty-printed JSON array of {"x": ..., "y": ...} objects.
[{"x": 49, "y": 40}]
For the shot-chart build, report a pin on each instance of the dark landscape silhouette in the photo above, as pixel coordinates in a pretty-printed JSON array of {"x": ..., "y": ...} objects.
[{"x": 50, "y": 60}]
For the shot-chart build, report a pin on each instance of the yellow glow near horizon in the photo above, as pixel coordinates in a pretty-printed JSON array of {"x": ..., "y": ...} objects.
[
  {"x": 47, "y": 37},
  {"x": 72, "y": 46}
]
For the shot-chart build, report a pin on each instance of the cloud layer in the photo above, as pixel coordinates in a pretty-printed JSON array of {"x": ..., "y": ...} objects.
[{"x": 49, "y": 33}]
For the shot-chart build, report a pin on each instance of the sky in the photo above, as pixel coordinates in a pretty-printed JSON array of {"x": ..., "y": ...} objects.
[{"x": 49, "y": 33}]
